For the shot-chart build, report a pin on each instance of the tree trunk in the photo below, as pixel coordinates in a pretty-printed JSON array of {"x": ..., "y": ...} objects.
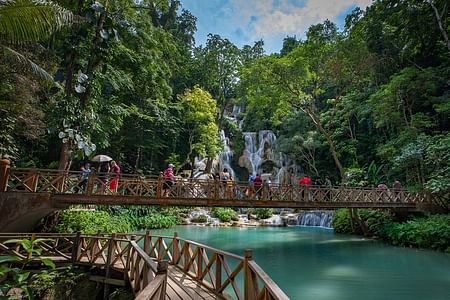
[
  {"x": 64, "y": 158},
  {"x": 329, "y": 139},
  {"x": 439, "y": 21},
  {"x": 209, "y": 163}
]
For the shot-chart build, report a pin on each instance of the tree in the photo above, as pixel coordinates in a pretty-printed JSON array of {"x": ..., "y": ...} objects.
[{"x": 199, "y": 112}]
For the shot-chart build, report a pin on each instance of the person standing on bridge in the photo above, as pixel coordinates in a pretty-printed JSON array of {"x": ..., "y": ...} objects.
[
  {"x": 115, "y": 173},
  {"x": 304, "y": 183},
  {"x": 85, "y": 172},
  {"x": 257, "y": 183},
  {"x": 169, "y": 179}
]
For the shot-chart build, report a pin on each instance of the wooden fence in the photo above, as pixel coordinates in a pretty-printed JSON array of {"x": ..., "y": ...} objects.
[
  {"x": 135, "y": 186},
  {"x": 225, "y": 274}
]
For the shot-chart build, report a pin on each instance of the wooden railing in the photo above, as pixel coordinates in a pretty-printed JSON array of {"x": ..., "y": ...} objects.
[
  {"x": 221, "y": 272},
  {"x": 225, "y": 274},
  {"x": 57, "y": 182},
  {"x": 147, "y": 277}
]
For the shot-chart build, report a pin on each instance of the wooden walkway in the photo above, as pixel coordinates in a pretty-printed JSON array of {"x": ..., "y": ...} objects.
[
  {"x": 164, "y": 268},
  {"x": 65, "y": 188},
  {"x": 182, "y": 287}
]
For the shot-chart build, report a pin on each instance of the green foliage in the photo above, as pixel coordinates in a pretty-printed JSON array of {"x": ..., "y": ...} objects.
[
  {"x": 18, "y": 277},
  {"x": 428, "y": 232},
  {"x": 376, "y": 220},
  {"x": 200, "y": 219},
  {"x": 341, "y": 221},
  {"x": 90, "y": 222},
  {"x": 224, "y": 214},
  {"x": 263, "y": 213},
  {"x": 66, "y": 278}
]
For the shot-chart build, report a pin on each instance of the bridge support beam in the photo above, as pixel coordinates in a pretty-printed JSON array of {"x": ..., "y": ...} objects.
[{"x": 20, "y": 212}]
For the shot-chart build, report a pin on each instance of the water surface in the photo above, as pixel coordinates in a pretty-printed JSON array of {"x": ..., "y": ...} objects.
[{"x": 317, "y": 264}]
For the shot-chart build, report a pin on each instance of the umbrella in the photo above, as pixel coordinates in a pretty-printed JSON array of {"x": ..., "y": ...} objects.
[{"x": 101, "y": 158}]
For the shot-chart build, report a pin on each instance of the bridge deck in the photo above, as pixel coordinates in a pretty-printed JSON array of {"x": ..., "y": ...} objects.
[
  {"x": 182, "y": 287},
  {"x": 65, "y": 188}
]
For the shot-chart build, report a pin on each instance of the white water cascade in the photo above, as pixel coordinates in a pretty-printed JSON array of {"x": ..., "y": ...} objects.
[
  {"x": 257, "y": 148},
  {"x": 226, "y": 156},
  {"x": 322, "y": 218}
]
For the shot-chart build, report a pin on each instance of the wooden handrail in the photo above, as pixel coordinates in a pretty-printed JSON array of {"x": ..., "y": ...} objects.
[
  {"x": 147, "y": 271},
  {"x": 185, "y": 190}
]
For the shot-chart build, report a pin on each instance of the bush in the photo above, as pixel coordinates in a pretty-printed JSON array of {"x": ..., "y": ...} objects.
[
  {"x": 263, "y": 213},
  {"x": 225, "y": 214},
  {"x": 341, "y": 221},
  {"x": 427, "y": 232},
  {"x": 157, "y": 221},
  {"x": 90, "y": 222},
  {"x": 375, "y": 220},
  {"x": 200, "y": 219}
]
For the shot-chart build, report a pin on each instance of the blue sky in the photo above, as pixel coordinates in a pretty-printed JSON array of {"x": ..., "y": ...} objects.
[{"x": 246, "y": 21}]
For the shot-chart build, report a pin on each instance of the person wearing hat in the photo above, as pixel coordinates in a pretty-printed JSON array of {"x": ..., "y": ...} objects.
[{"x": 169, "y": 179}]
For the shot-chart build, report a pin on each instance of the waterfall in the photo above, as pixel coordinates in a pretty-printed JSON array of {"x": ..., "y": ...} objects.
[
  {"x": 254, "y": 151},
  {"x": 226, "y": 155},
  {"x": 322, "y": 218}
]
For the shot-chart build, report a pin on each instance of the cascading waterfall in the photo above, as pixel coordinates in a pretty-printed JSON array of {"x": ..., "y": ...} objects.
[
  {"x": 226, "y": 155},
  {"x": 255, "y": 154},
  {"x": 322, "y": 218}
]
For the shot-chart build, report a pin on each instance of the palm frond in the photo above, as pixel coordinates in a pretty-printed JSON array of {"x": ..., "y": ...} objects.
[
  {"x": 25, "y": 21},
  {"x": 25, "y": 63}
]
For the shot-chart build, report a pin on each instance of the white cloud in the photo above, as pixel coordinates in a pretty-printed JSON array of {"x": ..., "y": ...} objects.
[{"x": 272, "y": 18}]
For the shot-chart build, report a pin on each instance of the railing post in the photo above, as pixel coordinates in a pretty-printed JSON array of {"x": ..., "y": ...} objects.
[
  {"x": 159, "y": 187},
  {"x": 108, "y": 265},
  {"x": 199, "y": 262},
  {"x": 162, "y": 270},
  {"x": 76, "y": 247},
  {"x": 5, "y": 166},
  {"x": 176, "y": 249},
  {"x": 147, "y": 242},
  {"x": 249, "y": 287},
  {"x": 218, "y": 284},
  {"x": 90, "y": 184}
]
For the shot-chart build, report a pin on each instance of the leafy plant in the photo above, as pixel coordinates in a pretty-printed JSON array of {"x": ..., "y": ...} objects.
[
  {"x": 200, "y": 219},
  {"x": 225, "y": 214},
  {"x": 19, "y": 278},
  {"x": 263, "y": 213}
]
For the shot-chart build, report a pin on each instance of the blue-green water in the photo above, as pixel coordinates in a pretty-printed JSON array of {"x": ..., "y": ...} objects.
[{"x": 317, "y": 264}]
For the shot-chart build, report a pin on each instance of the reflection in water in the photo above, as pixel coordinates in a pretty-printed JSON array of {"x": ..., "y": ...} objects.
[{"x": 313, "y": 263}]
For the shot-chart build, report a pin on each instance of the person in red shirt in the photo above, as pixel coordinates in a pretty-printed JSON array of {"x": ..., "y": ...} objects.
[
  {"x": 115, "y": 174},
  {"x": 304, "y": 183},
  {"x": 257, "y": 184}
]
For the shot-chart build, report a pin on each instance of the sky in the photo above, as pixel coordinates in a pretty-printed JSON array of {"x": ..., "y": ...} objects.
[{"x": 246, "y": 21}]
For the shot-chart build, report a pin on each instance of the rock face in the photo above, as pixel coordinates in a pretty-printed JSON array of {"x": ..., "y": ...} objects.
[{"x": 260, "y": 156}]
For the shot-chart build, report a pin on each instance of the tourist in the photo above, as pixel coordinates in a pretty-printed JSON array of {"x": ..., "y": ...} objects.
[
  {"x": 250, "y": 189},
  {"x": 85, "y": 172},
  {"x": 115, "y": 173},
  {"x": 382, "y": 187},
  {"x": 224, "y": 176},
  {"x": 169, "y": 179},
  {"x": 257, "y": 183},
  {"x": 304, "y": 183},
  {"x": 397, "y": 187},
  {"x": 103, "y": 170}
]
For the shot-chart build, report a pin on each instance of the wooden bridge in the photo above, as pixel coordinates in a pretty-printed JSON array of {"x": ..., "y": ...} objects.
[
  {"x": 164, "y": 268},
  {"x": 65, "y": 188}
]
